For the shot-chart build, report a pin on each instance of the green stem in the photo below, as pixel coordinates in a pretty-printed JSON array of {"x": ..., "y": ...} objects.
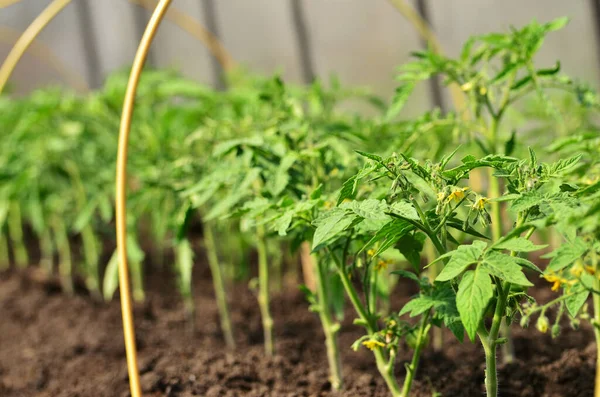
[
  {"x": 277, "y": 263},
  {"x": 218, "y": 284},
  {"x": 65, "y": 264},
  {"x": 385, "y": 369},
  {"x": 330, "y": 327},
  {"x": 15, "y": 229},
  {"x": 137, "y": 281},
  {"x": 263, "y": 290},
  {"x": 489, "y": 341},
  {"x": 4, "y": 258},
  {"x": 46, "y": 251},
  {"x": 411, "y": 369},
  {"x": 596, "y": 303},
  {"x": 432, "y": 272},
  {"x": 91, "y": 254}
]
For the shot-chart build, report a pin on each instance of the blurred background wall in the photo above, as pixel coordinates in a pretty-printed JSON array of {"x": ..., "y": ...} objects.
[{"x": 361, "y": 41}]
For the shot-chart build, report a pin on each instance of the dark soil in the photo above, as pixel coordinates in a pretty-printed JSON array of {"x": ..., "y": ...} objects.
[{"x": 54, "y": 345}]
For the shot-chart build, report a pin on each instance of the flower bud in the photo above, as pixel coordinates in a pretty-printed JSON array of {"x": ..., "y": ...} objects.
[
  {"x": 555, "y": 330},
  {"x": 542, "y": 324}
]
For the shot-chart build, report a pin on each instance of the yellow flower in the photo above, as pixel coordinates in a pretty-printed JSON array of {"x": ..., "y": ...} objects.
[
  {"x": 372, "y": 344},
  {"x": 334, "y": 172},
  {"x": 590, "y": 270},
  {"x": 381, "y": 265},
  {"x": 576, "y": 270},
  {"x": 371, "y": 252},
  {"x": 480, "y": 203},
  {"x": 468, "y": 86},
  {"x": 441, "y": 196},
  {"x": 482, "y": 90},
  {"x": 457, "y": 194},
  {"x": 556, "y": 280}
]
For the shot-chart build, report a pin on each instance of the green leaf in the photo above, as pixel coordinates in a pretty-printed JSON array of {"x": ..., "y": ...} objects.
[
  {"x": 227, "y": 146},
  {"x": 527, "y": 264},
  {"x": 407, "y": 274},
  {"x": 411, "y": 245},
  {"x": 566, "y": 254},
  {"x": 576, "y": 301},
  {"x": 563, "y": 165},
  {"x": 368, "y": 209},
  {"x": 281, "y": 176},
  {"x": 371, "y": 156},
  {"x": 527, "y": 201},
  {"x": 399, "y": 100},
  {"x": 282, "y": 223},
  {"x": 509, "y": 146},
  {"x": 518, "y": 244},
  {"x": 404, "y": 209},
  {"x": 474, "y": 294},
  {"x": 556, "y": 24},
  {"x": 417, "y": 306},
  {"x": 331, "y": 225},
  {"x": 462, "y": 257},
  {"x": 504, "y": 267},
  {"x": 389, "y": 234},
  {"x": 348, "y": 190}
]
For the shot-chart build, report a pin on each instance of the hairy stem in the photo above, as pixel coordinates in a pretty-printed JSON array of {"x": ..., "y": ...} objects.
[
  {"x": 489, "y": 341},
  {"x": 330, "y": 327},
  {"x": 218, "y": 284},
  {"x": 411, "y": 369},
  {"x": 263, "y": 290},
  {"x": 15, "y": 229},
  {"x": 432, "y": 272},
  {"x": 386, "y": 369}
]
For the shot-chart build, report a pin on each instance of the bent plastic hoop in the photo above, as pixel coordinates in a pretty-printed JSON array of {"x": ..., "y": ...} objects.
[
  {"x": 38, "y": 24},
  {"x": 121, "y": 193}
]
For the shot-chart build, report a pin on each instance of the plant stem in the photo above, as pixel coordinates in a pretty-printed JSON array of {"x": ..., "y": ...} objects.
[
  {"x": 46, "y": 251},
  {"x": 496, "y": 215},
  {"x": 330, "y": 327},
  {"x": 433, "y": 271},
  {"x": 411, "y": 369},
  {"x": 65, "y": 264},
  {"x": 91, "y": 254},
  {"x": 15, "y": 229},
  {"x": 277, "y": 265},
  {"x": 218, "y": 285},
  {"x": 137, "y": 281},
  {"x": 596, "y": 303},
  {"x": 4, "y": 258},
  {"x": 385, "y": 369},
  {"x": 489, "y": 341},
  {"x": 263, "y": 290}
]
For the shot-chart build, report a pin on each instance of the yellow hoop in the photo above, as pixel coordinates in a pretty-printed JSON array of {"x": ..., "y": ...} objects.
[
  {"x": 38, "y": 24},
  {"x": 46, "y": 55},
  {"x": 196, "y": 30},
  {"x": 121, "y": 188}
]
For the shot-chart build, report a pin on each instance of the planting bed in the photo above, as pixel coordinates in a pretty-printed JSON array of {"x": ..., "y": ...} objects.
[{"x": 55, "y": 345}]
